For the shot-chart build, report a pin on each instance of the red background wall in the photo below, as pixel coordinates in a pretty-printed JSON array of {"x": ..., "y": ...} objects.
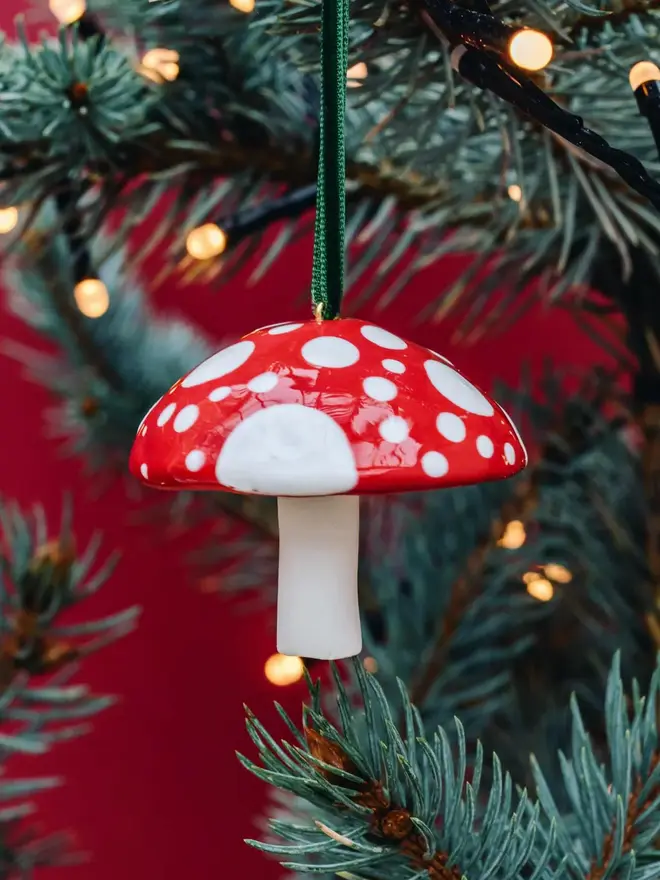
[{"x": 155, "y": 790}]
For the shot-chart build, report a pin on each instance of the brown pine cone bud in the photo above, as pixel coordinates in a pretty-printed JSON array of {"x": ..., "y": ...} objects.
[{"x": 396, "y": 825}]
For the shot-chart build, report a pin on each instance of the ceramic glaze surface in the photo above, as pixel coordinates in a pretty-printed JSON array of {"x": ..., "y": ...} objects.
[{"x": 337, "y": 407}]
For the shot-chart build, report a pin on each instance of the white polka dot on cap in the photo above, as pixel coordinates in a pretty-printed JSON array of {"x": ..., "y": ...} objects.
[
  {"x": 220, "y": 393},
  {"x": 378, "y": 388},
  {"x": 382, "y": 338},
  {"x": 485, "y": 446},
  {"x": 186, "y": 418},
  {"x": 393, "y": 366},
  {"x": 451, "y": 427},
  {"x": 394, "y": 429},
  {"x": 456, "y": 389},
  {"x": 434, "y": 464},
  {"x": 287, "y": 449},
  {"x": 509, "y": 453},
  {"x": 195, "y": 460},
  {"x": 263, "y": 383},
  {"x": 283, "y": 328},
  {"x": 330, "y": 351},
  {"x": 220, "y": 364},
  {"x": 166, "y": 415}
]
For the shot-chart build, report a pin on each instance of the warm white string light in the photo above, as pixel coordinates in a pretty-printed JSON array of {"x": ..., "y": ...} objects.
[
  {"x": 530, "y": 49},
  {"x": 206, "y": 242},
  {"x": 246, "y": 6},
  {"x": 92, "y": 297},
  {"x": 282, "y": 670},
  {"x": 643, "y": 72},
  {"x": 160, "y": 64},
  {"x": 8, "y": 219},
  {"x": 540, "y": 584},
  {"x": 514, "y": 535},
  {"x": 557, "y": 573},
  {"x": 515, "y": 192},
  {"x": 67, "y": 11},
  {"x": 538, "y": 587},
  {"x": 645, "y": 82},
  {"x": 356, "y": 74}
]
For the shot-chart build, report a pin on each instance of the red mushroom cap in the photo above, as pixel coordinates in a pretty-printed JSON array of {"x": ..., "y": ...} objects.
[{"x": 324, "y": 408}]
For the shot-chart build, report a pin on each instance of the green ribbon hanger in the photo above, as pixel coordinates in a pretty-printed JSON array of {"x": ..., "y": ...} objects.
[{"x": 330, "y": 225}]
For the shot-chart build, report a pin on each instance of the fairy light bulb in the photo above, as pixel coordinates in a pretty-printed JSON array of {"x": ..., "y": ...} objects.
[
  {"x": 371, "y": 665},
  {"x": 92, "y": 297},
  {"x": 645, "y": 82},
  {"x": 161, "y": 64},
  {"x": 557, "y": 573},
  {"x": 530, "y": 49},
  {"x": 245, "y": 6},
  {"x": 355, "y": 75},
  {"x": 515, "y": 192},
  {"x": 8, "y": 220},
  {"x": 540, "y": 588},
  {"x": 282, "y": 671},
  {"x": 643, "y": 72},
  {"x": 67, "y": 11},
  {"x": 514, "y": 536},
  {"x": 206, "y": 241}
]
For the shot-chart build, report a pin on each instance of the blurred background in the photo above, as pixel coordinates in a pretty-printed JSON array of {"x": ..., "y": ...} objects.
[{"x": 155, "y": 790}]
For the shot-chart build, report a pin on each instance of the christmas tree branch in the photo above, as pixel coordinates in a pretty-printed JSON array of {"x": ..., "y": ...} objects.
[
  {"x": 553, "y": 581},
  {"x": 387, "y": 805},
  {"x": 635, "y": 297},
  {"x": 619, "y": 837},
  {"x": 159, "y": 156},
  {"x": 382, "y": 797},
  {"x": 408, "y": 149},
  {"x": 41, "y": 577},
  {"x": 556, "y": 435},
  {"x": 74, "y": 327},
  {"x": 107, "y": 372},
  {"x": 516, "y": 508},
  {"x": 614, "y": 17}
]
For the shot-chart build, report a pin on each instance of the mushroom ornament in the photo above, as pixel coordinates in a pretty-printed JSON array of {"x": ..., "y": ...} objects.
[{"x": 317, "y": 414}]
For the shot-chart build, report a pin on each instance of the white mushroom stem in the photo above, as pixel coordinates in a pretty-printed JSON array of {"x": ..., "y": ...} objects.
[{"x": 317, "y": 603}]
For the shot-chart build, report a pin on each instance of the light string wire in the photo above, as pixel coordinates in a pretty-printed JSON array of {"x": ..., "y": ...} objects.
[{"x": 480, "y": 64}]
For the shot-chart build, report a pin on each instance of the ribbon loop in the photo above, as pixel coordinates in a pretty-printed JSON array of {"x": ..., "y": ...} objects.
[{"x": 330, "y": 225}]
